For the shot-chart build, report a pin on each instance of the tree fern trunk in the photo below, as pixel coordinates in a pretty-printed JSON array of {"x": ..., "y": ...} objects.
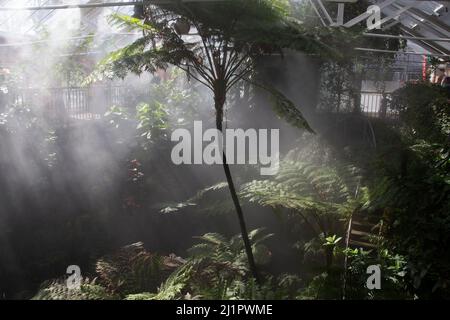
[
  {"x": 219, "y": 104},
  {"x": 329, "y": 257}
]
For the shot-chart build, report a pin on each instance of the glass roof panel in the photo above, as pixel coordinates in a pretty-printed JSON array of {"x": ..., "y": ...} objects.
[
  {"x": 31, "y": 23},
  {"x": 429, "y": 19}
]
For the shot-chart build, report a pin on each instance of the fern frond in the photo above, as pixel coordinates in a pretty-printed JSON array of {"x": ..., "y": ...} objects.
[
  {"x": 58, "y": 290},
  {"x": 284, "y": 107},
  {"x": 214, "y": 238},
  {"x": 259, "y": 235},
  {"x": 141, "y": 296},
  {"x": 128, "y": 23},
  {"x": 172, "y": 288},
  {"x": 200, "y": 195}
]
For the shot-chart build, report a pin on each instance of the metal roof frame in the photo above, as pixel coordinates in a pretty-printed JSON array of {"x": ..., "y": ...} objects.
[
  {"x": 427, "y": 15},
  {"x": 426, "y": 23}
]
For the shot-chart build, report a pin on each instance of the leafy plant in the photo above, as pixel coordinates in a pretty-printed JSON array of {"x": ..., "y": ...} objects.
[
  {"x": 130, "y": 270},
  {"x": 424, "y": 109},
  {"x": 321, "y": 197},
  {"x": 58, "y": 290},
  {"x": 394, "y": 270},
  {"x": 230, "y": 37},
  {"x": 416, "y": 202},
  {"x": 216, "y": 269}
]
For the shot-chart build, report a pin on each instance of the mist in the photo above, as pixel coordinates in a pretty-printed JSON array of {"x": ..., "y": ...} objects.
[
  {"x": 69, "y": 175},
  {"x": 88, "y": 176}
]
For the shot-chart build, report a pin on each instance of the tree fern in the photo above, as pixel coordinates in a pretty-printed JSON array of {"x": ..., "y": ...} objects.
[{"x": 229, "y": 38}]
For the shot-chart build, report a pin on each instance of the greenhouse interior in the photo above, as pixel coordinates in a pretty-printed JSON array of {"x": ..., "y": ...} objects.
[{"x": 224, "y": 150}]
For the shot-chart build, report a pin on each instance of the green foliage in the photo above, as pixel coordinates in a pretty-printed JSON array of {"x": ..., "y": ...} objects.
[
  {"x": 308, "y": 191},
  {"x": 308, "y": 188},
  {"x": 22, "y": 125},
  {"x": 131, "y": 269},
  {"x": 153, "y": 120},
  {"x": 173, "y": 105},
  {"x": 286, "y": 109},
  {"x": 332, "y": 241},
  {"x": 174, "y": 285},
  {"x": 218, "y": 269},
  {"x": 232, "y": 35},
  {"x": 58, "y": 290},
  {"x": 425, "y": 110},
  {"x": 116, "y": 115},
  {"x": 416, "y": 204},
  {"x": 168, "y": 105},
  {"x": 72, "y": 69},
  {"x": 285, "y": 286},
  {"x": 331, "y": 285},
  {"x": 394, "y": 270},
  {"x": 299, "y": 186},
  {"x": 322, "y": 286},
  {"x": 206, "y": 200},
  {"x": 231, "y": 252},
  {"x": 128, "y": 23}
]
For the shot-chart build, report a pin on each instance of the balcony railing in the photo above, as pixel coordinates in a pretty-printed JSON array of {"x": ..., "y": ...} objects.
[{"x": 68, "y": 102}]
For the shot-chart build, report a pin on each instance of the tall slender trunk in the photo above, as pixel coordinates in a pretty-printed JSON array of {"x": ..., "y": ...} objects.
[
  {"x": 219, "y": 100},
  {"x": 329, "y": 250}
]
